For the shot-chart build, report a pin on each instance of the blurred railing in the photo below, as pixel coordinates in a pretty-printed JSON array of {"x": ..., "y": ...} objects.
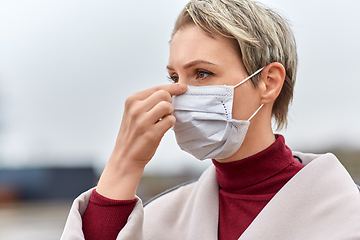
[{"x": 67, "y": 183}]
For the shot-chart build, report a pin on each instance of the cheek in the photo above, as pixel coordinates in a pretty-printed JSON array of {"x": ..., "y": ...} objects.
[{"x": 246, "y": 101}]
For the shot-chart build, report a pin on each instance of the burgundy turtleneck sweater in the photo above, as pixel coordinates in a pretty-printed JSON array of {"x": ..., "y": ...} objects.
[{"x": 246, "y": 186}]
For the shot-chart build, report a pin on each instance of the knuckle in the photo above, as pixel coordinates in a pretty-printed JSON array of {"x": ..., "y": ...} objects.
[
  {"x": 164, "y": 95},
  {"x": 130, "y": 101},
  {"x": 169, "y": 121},
  {"x": 134, "y": 112},
  {"x": 157, "y": 88},
  {"x": 172, "y": 120},
  {"x": 166, "y": 107},
  {"x": 171, "y": 109}
]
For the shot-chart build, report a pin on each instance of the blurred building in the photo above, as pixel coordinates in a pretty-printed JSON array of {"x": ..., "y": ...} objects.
[{"x": 45, "y": 183}]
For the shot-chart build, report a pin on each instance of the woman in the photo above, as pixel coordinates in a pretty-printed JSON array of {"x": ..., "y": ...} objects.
[{"x": 234, "y": 67}]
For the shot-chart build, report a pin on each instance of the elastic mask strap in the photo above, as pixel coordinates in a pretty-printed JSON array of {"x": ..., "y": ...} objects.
[
  {"x": 249, "y": 77},
  {"x": 256, "y": 112}
]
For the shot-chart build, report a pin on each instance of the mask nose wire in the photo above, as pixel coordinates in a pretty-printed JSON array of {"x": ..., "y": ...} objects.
[{"x": 249, "y": 77}]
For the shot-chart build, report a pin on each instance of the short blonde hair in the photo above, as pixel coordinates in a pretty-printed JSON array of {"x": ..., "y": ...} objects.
[{"x": 262, "y": 34}]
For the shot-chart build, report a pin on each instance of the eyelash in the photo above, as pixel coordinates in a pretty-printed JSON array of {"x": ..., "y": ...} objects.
[
  {"x": 175, "y": 79},
  {"x": 203, "y": 72}
]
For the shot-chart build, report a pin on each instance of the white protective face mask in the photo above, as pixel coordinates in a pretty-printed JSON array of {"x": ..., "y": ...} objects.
[{"x": 204, "y": 125}]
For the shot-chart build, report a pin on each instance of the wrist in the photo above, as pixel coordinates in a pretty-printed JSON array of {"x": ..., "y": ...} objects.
[{"x": 119, "y": 180}]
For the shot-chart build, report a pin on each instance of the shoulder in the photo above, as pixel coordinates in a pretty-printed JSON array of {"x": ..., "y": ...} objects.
[{"x": 306, "y": 158}]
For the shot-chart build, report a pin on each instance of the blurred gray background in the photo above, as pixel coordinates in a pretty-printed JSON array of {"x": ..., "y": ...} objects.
[{"x": 66, "y": 68}]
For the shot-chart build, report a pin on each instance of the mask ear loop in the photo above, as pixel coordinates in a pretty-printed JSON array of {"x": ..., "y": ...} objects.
[
  {"x": 249, "y": 77},
  {"x": 255, "y": 112},
  {"x": 245, "y": 81}
]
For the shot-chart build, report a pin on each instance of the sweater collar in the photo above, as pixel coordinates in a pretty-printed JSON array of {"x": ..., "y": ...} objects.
[{"x": 256, "y": 168}]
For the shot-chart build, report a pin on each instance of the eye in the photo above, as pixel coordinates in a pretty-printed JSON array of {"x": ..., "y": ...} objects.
[
  {"x": 173, "y": 78},
  {"x": 201, "y": 74}
]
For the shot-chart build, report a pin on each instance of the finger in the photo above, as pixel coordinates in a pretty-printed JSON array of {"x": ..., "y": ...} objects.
[
  {"x": 154, "y": 99},
  {"x": 172, "y": 89},
  {"x": 159, "y": 111},
  {"x": 162, "y": 93},
  {"x": 151, "y": 134},
  {"x": 162, "y": 126},
  {"x": 175, "y": 89}
]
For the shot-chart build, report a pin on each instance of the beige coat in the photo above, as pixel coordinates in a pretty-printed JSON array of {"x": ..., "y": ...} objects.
[{"x": 319, "y": 202}]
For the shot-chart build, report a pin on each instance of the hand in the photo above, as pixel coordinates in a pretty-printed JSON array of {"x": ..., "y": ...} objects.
[{"x": 147, "y": 116}]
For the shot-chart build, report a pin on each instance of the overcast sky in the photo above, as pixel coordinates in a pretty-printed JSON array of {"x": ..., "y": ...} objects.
[{"x": 67, "y": 66}]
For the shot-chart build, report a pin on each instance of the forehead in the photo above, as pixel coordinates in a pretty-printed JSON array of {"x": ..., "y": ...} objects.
[{"x": 191, "y": 42}]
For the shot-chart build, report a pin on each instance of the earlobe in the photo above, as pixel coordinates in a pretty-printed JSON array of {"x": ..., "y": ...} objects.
[{"x": 272, "y": 79}]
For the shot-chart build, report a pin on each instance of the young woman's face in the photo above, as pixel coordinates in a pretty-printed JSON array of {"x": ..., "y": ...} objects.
[{"x": 198, "y": 59}]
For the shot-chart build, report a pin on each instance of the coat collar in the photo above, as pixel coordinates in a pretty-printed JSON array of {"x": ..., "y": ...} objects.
[{"x": 320, "y": 202}]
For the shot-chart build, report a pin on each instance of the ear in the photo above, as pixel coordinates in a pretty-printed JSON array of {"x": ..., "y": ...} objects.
[{"x": 271, "y": 81}]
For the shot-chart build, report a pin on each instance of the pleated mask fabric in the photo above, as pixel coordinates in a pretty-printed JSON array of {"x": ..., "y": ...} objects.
[{"x": 204, "y": 125}]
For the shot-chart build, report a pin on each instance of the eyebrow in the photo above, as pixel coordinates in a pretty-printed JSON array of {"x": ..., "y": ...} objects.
[{"x": 193, "y": 63}]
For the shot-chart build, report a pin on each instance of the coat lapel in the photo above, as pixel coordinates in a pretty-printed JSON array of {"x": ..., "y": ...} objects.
[
  {"x": 319, "y": 202},
  {"x": 190, "y": 212},
  {"x": 205, "y": 211}
]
